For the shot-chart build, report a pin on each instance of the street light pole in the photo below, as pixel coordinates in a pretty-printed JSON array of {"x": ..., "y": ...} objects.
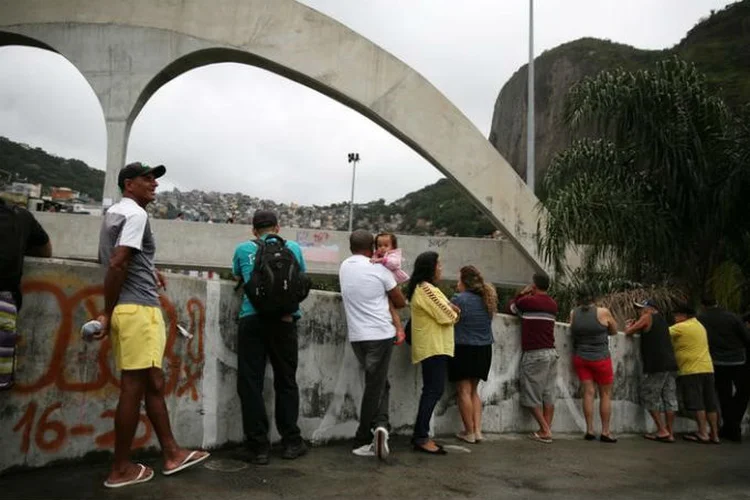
[
  {"x": 530, "y": 128},
  {"x": 353, "y": 158}
]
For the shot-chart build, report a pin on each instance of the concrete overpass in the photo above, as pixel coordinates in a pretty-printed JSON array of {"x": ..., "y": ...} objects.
[
  {"x": 197, "y": 245},
  {"x": 128, "y": 50}
]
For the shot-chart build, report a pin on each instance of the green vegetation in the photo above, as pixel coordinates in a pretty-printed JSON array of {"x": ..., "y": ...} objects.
[
  {"x": 36, "y": 166},
  {"x": 659, "y": 198},
  {"x": 441, "y": 207}
]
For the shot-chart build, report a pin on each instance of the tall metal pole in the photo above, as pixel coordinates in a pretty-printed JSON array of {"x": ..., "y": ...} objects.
[
  {"x": 530, "y": 127},
  {"x": 353, "y": 158}
]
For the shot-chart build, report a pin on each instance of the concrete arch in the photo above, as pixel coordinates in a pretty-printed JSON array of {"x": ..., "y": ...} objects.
[
  {"x": 126, "y": 46},
  {"x": 9, "y": 38}
]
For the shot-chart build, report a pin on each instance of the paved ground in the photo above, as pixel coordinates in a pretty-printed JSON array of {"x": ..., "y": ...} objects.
[{"x": 503, "y": 467}]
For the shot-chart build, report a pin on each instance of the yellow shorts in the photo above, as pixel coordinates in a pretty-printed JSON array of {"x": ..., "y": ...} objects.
[{"x": 138, "y": 336}]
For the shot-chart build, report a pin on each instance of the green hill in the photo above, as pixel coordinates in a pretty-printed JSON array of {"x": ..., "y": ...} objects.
[
  {"x": 719, "y": 46},
  {"x": 36, "y": 166}
]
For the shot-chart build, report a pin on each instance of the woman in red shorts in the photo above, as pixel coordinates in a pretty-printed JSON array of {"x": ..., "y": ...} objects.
[{"x": 590, "y": 326}]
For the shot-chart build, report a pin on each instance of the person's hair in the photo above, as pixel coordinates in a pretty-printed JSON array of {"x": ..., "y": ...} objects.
[
  {"x": 708, "y": 299},
  {"x": 425, "y": 266},
  {"x": 541, "y": 281},
  {"x": 361, "y": 241},
  {"x": 474, "y": 283},
  {"x": 584, "y": 297},
  {"x": 394, "y": 240}
]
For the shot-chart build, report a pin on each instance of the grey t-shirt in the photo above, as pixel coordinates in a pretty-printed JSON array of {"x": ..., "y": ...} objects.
[{"x": 126, "y": 224}]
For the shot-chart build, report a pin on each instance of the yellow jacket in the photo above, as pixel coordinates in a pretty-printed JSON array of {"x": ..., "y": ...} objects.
[{"x": 432, "y": 320}]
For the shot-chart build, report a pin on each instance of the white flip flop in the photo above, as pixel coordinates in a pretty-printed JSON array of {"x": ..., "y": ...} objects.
[
  {"x": 188, "y": 462},
  {"x": 140, "y": 478}
]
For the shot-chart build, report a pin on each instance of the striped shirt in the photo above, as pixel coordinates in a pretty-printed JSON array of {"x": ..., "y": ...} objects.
[{"x": 538, "y": 313}]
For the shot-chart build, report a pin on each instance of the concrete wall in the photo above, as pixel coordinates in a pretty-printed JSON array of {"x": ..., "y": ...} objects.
[
  {"x": 62, "y": 406},
  {"x": 199, "y": 245}
]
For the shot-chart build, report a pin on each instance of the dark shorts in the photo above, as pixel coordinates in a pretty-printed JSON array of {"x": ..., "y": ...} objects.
[
  {"x": 697, "y": 392},
  {"x": 470, "y": 362}
]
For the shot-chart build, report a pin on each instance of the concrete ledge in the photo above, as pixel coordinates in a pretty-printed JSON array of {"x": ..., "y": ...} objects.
[
  {"x": 62, "y": 406},
  {"x": 199, "y": 245}
]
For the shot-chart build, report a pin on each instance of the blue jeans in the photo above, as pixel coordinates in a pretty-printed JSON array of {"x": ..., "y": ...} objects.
[{"x": 433, "y": 384}]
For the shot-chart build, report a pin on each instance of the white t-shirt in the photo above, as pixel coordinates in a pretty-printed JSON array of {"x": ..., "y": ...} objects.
[{"x": 364, "y": 288}]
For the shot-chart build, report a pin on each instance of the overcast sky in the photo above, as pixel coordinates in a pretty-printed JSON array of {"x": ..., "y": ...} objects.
[{"x": 234, "y": 128}]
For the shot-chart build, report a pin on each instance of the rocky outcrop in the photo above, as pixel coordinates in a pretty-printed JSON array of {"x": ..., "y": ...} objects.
[
  {"x": 556, "y": 71},
  {"x": 717, "y": 45}
]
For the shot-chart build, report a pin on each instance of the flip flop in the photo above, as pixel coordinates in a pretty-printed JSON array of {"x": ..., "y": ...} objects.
[
  {"x": 466, "y": 437},
  {"x": 659, "y": 439},
  {"x": 607, "y": 439},
  {"x": 188, "y": 462},
  {"x": 145, "y": 474},
  {"x": 695, "y": 438},
  {"x": 589, "y": 437},
  {"x": 534, "y": 436}
]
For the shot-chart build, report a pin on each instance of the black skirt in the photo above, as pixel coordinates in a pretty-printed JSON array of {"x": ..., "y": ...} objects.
[{"x": 470, "y": 361}]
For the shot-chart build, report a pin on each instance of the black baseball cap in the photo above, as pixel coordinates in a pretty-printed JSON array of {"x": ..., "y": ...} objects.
[
  {"x": 264, "y": 218},
  {"x": 138, "y": 169}
]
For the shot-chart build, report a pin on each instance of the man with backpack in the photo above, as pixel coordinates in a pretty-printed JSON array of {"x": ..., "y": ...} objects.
[
  {"x": 273, "y": 273},
  {"x": 22, "y": 235}
]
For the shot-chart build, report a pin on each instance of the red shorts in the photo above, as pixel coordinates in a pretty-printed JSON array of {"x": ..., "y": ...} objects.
[{"x": 598, "y": 371}]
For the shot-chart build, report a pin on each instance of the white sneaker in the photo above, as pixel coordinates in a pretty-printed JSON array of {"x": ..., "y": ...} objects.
[
  {"x": 381, "y": 443},
  {"x": 366, "y": 450}
]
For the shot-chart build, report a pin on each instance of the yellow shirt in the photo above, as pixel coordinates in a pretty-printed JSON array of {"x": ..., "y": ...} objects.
[
  {"x": 690, "y": 343},
  {"x": 432, "y": 322}
]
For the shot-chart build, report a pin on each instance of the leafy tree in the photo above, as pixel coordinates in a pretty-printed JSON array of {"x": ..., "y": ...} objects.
[{"x": 659, "y": 195}]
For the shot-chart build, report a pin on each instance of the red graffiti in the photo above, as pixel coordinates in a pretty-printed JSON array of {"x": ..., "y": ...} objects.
[
  {"x": 107, "y": 440},
  {"x": 56, "y": 374},
  {"x": 50, "y": 435}
]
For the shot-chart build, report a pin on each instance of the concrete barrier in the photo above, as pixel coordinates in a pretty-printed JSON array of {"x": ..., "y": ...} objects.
[
  {"x": 62, "y": 406},
  {"x": 197, "y": 245}
]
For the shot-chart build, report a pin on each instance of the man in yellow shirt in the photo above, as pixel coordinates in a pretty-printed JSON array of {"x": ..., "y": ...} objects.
[{"x": 695, "y": 380}]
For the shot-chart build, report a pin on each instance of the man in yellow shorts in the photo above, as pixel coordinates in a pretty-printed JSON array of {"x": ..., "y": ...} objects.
[{"x": 133, "y": 316}]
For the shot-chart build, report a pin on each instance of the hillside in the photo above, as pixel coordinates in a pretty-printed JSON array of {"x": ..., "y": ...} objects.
[
  {"x": 438, "y": 209},
  {"x": 718, "y": 45},
  {"x": 36, "y": 166}
]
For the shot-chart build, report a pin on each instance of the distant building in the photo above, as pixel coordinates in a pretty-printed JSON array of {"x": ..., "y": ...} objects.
[
  {"x": 26, "y": 189},
  {"x": 63, "y": 194}
]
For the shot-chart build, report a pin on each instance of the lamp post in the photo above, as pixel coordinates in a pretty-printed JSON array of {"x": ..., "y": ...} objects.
[
  {"x": 530, "y": 127},
  {"x": 353, "y": 158}
]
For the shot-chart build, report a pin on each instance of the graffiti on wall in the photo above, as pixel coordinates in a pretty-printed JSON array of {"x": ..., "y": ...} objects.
[
  {"x": 66, "y": 388},
  {"x": 318, "y": 247}
]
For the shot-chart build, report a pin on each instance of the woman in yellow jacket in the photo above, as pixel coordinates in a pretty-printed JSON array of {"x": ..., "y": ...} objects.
[{"x": 432, "y": 319}]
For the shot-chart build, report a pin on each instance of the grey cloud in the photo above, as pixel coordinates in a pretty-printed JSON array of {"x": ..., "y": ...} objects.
[{"x": 232, "y": 128}]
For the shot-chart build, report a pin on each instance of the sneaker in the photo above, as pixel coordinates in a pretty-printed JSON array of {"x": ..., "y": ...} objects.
[
  {"x": 366, "y": 450},
  {"x": 381, "y": 443},
  {"x": 293, "y": 451}
]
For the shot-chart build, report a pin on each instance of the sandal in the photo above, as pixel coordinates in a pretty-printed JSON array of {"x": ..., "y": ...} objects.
[
  {"x": 439, "y": 451},
  {"x": 695, "y": 438},
  {"x": 607, "y": 439},
  {"x": 534, "y": 436},
  {"x": 466, "y": 437}
]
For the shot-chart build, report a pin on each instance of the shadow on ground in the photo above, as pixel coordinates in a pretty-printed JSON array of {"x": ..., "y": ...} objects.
[{"x": 501, "y": 467}]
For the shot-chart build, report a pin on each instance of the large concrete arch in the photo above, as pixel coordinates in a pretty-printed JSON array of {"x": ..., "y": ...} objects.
[{"x": 128, "y": 49}]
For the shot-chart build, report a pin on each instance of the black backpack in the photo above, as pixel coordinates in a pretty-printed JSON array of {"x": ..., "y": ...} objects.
[{"x": 277, "y": 284}]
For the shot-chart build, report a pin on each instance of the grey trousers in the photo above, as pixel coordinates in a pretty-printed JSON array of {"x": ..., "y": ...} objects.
[{"x": 374, "y": 356}]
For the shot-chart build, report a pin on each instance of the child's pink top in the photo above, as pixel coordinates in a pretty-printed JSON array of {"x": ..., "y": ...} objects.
[{"x": 392, "y": 261}]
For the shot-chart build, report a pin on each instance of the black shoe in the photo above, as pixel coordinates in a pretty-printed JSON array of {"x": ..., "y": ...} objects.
[
  {"x": 293, "y": 451},
  {"x": 257, "y": 457}
]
